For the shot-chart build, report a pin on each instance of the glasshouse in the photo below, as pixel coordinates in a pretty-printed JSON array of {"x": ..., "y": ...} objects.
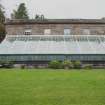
[{"x": 45, "y": 48}]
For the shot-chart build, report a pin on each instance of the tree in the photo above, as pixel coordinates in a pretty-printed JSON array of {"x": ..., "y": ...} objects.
[
  {"x": 2, "y": 30},
  {"x": 2, "y": 17},
  {"x": 21, "y": 12},
  {"x": 2, "y": 20},
  {"x": 39, "y": 17}
]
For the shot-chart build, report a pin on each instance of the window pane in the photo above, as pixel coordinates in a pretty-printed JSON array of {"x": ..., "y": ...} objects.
[
  {"x": 47, "y": 31},
  {"x": 67, "y": 31},
  {"x": 86, "y": 31},
  {"x": 28, "y": 32}
]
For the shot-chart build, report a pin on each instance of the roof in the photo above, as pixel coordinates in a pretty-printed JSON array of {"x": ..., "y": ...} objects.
[
  {"x": 52, "y": 44},
  {"x": 55, "y": 21}
]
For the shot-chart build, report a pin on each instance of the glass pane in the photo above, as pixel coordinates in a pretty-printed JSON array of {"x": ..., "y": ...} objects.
[
  {"x": 67, "y": 31},
  {"x": 86, "y": 31},
  {"x": 47, "y": 31}
]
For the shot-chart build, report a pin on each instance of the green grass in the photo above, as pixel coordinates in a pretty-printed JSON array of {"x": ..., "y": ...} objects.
[{"x": 52, "y": 87}]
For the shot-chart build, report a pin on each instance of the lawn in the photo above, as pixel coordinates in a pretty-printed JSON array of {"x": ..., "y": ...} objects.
[{"x": 52, "y": 87}]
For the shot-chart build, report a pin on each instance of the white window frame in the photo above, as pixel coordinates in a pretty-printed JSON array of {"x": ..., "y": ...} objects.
[
  {"x": 47, "y": 31},
  {"x": 28, "y": 32}
]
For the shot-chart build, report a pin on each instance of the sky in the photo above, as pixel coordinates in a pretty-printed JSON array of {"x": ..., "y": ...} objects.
[{"x": 59, "y": 8}]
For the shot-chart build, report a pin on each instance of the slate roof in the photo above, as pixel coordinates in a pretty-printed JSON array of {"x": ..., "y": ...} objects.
[{"x": 56, "y": 21}]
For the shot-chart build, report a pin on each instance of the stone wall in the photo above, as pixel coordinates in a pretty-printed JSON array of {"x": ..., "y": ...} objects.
[{"x": 56, "y": 29}]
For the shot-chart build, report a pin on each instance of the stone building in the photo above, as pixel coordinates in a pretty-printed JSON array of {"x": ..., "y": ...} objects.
[{"x": 56, "y": 27}]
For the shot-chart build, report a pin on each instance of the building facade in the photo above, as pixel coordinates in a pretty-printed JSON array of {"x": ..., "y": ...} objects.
[
  {"x": 56, "y": 27},
  {"x": 41, "y": 41}
]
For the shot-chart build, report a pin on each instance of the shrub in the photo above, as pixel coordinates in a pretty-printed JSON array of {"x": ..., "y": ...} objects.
[
  {"x": 6, "y": 64},
  {"x": 55, "y": 64},
  {"x": 88, "y": 67},
  {"x": 77, "y": 64},
  {"x": 67, "y": 64},
  {"x": 23, "y": 66}
]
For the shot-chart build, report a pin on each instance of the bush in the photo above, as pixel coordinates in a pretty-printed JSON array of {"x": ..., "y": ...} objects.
[
  {"x": 77, "y": 64},
  {"x": 88, "y": 67},
  {"x": 67, "y": 64},
  {"x": 23, "y": 66},
  {"x": 55, "y": 64},
  {"x": 6, "y": 64}
]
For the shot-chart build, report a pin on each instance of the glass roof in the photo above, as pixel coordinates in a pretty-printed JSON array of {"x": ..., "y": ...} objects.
[{"x": 53, "y": 44}]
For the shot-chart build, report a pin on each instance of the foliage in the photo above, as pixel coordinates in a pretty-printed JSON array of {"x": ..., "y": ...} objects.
[
  {"x": 23, "y": 66},
  {"x": 77, "y": 64},
  {"x": 55, "y": 64},
  {"x": 88, "y": 66},
  {"x": 2, "y": 16},
  {"x": 6, "y": 64},
  {"x": 21, "y": 12},
  {"x": 2, "y": 20},
  {"x": 39, "y": 17},
  {"x": 2, "y": 29},
  {"x": 67, "y": 64}
]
